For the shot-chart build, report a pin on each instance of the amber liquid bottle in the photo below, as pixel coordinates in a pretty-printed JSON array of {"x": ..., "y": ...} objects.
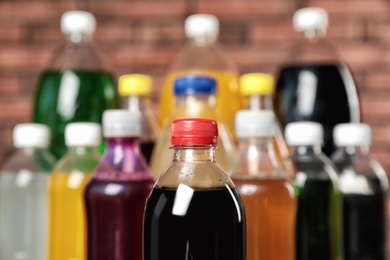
[{"x": 265, "y": 188}]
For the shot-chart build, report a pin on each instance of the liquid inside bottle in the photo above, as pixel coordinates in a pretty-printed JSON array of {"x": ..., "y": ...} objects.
[
  {"x": 364, "y": 186},
  {"x": 66, "y": 186},
  {"x": 203, "y": 56},
  {"x": 195, "y": 98},
  {"x": 319, "y": 216},
  {"x": 76, "y": 87},
  {"x": 116, "y": 194},
  {"x": 194, "y": 211},
  {"x": 23, "y": 196},
  {"x": 266, "y": 190},
  {"x": 315, "y": 85}
]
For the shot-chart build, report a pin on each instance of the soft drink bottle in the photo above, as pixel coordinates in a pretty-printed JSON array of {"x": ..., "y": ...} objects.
[
  {"x": 76, "y": 87},
  {"x": 203, "y": 55},
  {"x": 66, "y": 185},
  {"x": 265, "y": 188},
  {"x": 23, "y": 195},
  {"x": 315, "y": 84},
  {"x": 194, "y": 211},
  {"x": 319, "y": 230},
  {"x": 135, "y": 90},
  {"x": 364, "y": 185},
  {"x": 195, "y": 97},
  {"x": 257, "y": 90},
  {"x": 116, "y": 194}
]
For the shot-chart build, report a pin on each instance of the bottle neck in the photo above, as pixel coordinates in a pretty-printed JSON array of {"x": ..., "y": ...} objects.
[
  {"x": 314, "y": 35},
  {"x": 194, "y": 153},
  {"x": 136, "y": 103},
  {"x": 193, "y": 100},
  {"x": 306, "y": 150},
  {"x": 203, "y": 40},
  {"x": 354, "y": 151},
  {"x": 260, "y": 102},
  {"x": 83, "y": 150},
  {"x": 79, "y": 38},
  {"x": 29, "y": 151}
]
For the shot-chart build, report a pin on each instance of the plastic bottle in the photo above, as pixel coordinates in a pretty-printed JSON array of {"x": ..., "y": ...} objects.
[
  {"x": 257, "y": 89},
  {"x": 135, "y": 90},
  {"x": 364, "y": 186},
  {"x": 315, "y": 85},
  {"x": 195, "y": 97},
  {"x": 66, "y": 185},
  {"x": 116, "y": 194},
  {"x": 203, "y": 55},
  {"x": 265, "y": 188},
  {"x": 194, "y": 211},
  {"x": 319, "y": 217},
  {"x": 76, "y": 87},
  {"x": 23, "y": 199}
]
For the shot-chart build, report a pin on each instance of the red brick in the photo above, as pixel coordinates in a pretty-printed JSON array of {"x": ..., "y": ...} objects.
[
  {"x": 378, "y": 29},
  {"x": 377, "y": 79},
  {"x": 375, "y": 108},
  {"x": 19, "y": 57},
  {"x": 274, "y": 31},
  {"x": 361, "y": 55},
  {"x": 246, "y": 9},
  {"x": 142, "y": 9},
  {"x": 361, "y": 8},
  {"x": 9, "y": 86},
  {"x": 15, "y": 110}
]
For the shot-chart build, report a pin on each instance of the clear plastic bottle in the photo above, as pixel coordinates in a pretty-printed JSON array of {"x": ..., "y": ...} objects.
[
  {"x": 66, "y": 185},
  {"x": 364, "y": 185},
  {"x": 315, "y": 85},
  {"x": 203, "y": 55},
  {"x": 23, "y": 196},
  {"x": 194, "y": 211},
  {"x": 195, "y": 97},
  {"x": 265, "y": 188},
  {"x": 319, "y": 216},
  {"x": 257, "y": 89},
  {"x": 116, "y": 194},
  {"x": 76, "y": 87},
  {"x": 135, "y": 90}
]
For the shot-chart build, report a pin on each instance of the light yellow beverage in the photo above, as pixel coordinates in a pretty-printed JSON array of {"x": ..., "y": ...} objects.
[
  {"x": 67, "y": 224},
  {"x": 228, "y": 99}
]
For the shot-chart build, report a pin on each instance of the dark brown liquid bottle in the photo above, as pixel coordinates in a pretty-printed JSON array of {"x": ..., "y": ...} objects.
[
  {"x": 194, "y": 211},
  {"x": 116, "y": 193}
]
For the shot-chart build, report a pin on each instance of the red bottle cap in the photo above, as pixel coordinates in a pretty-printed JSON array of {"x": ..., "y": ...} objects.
[{"x": 194, "y": 131}]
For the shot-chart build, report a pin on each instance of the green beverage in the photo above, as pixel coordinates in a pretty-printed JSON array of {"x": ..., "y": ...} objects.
[
  {"x": 318, "y": 231},
  {"x": 66, "y": 96}
]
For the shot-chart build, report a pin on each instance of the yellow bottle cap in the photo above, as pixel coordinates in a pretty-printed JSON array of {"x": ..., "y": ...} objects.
[
  {"x": 135, "y": 84},
  {"x": 256, "y": 84}
]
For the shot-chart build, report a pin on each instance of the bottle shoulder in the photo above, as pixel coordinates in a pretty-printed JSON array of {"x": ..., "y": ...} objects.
[
  {"x": 203, "y": 57},
  {"x": 41, "y": 161},
  {"x": 81, "y": 163},
  {"x": 197, "y": 175}
]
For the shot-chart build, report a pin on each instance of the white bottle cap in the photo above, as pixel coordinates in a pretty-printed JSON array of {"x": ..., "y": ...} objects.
[
  {"x": 83, "y": 134},
  {"x": 202, "y": 25},
  {"x": 255, "y": 123},
  {"x": 304, "y": 133},
  {"x": 352, "y": 134},
  {"x": 310, "y": 18},
  {"x": 31, "y": 135},
  {"x": 78, "y": 22},
  {"x": 121, "y": 123}
]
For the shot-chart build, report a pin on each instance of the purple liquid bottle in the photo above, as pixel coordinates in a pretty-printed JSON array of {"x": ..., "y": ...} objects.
[{"x": 116, "y": 194}]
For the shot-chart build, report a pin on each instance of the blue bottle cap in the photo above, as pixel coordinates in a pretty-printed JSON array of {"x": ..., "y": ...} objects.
[{"x": 192, "y": 84}]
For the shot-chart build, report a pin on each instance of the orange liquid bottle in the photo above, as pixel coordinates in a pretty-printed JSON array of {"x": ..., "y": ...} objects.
[
  {"x": 203, "y": 56},
  {"x": 265, "y": 188}
]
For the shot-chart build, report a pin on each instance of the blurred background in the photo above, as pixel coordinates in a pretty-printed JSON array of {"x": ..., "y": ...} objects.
[{"x": 145, "y": 36}]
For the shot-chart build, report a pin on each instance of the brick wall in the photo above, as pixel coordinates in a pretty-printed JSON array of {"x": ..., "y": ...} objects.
[{"x": 144, "y": 37}]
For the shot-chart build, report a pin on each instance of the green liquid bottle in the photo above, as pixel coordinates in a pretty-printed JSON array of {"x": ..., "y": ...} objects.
[
  {"x": 319, "y": 216},
  {"x": 76, "y": 87}
]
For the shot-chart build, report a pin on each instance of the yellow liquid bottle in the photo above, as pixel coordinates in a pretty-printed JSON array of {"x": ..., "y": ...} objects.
[
  {"x": 265, "y": 188},
  {"x": 67, "y": 238},
  {"x": 257, "y": 90},
  {"x": 204, "y": 56},
  {"x": 195, "y": 99}
]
